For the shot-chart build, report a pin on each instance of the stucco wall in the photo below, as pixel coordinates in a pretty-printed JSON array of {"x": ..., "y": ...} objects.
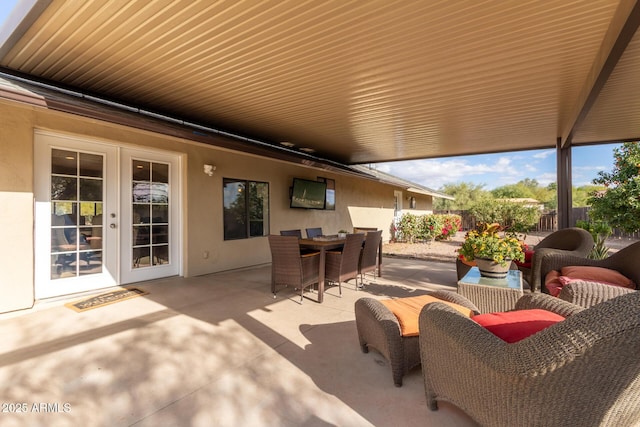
[
  {"x": 16, "y": 208},
  {"x": 359, "y": 202}
]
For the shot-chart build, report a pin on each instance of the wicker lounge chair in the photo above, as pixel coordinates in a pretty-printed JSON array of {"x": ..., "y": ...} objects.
[
  {"x": 289, "y": 267},
  {"x": 583, "y": 371},
  {"x": 626, "y": 261},
  {"x": 379, "y": 329},
  {"x": 570, "y": 241},
  {"x": 369, "y": 255}
]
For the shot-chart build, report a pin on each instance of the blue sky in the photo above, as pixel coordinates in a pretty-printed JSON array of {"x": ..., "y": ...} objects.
[
  {"x": 489, "y": 170},
  {"x": 495, "y": 170},
  {"x": 5, "y": 8}
]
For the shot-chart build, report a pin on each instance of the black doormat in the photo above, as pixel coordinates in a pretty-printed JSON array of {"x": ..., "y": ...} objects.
[{"x": 105, "y": 299}]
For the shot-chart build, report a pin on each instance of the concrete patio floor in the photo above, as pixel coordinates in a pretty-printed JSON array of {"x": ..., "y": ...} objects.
[{"x": 215, "y": 350}]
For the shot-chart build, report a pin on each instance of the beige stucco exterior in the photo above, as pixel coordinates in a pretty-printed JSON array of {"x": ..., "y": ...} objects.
[{"x": 359, "y": 202}]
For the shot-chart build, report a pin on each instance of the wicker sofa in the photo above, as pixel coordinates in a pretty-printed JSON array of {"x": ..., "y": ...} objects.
[
  {"x": 379, "y": 329},
  {"x": 583, "y": 371}
]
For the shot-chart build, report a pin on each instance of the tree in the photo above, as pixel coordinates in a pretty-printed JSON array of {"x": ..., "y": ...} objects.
[
  {"x": 530, "y": 189},
  {"x": 580, "y": 195},
  {"x": 619, "y": 204},
  {"x": 466, "y": 194},
  {"x": 512, "y": 191}
]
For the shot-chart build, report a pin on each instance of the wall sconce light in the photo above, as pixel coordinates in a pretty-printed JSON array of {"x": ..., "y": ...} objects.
[{"x": 208, "y": 169}]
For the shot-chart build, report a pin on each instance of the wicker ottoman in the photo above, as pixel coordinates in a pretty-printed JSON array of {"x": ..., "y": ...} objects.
[{"x": 379, "y": 328}]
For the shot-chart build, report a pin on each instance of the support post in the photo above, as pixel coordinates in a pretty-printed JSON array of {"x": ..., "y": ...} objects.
[{"x": 565, "y": 202}]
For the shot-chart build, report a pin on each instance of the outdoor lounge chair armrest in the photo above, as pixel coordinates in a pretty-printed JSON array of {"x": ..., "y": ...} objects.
[
  {"x": 586, "y": 294},
  {"x": 370, "y": 312},
  {"x": 547, "y": 302},
  {"x": 456, "y": 298}
]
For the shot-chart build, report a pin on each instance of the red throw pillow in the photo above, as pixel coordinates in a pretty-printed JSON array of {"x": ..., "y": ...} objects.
[
  {"x": 513, "y": 326},
  {"x": 552, "y": 283}
]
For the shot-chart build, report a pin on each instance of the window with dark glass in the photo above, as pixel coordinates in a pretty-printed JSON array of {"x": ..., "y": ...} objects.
[{"x": 246, "y": 208}]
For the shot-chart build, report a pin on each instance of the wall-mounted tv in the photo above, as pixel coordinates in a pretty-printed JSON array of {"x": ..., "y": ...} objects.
[{"x": 307, "y": 194}]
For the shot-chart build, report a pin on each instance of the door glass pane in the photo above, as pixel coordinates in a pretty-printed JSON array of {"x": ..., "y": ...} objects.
[
  {"x": 64, "y": 188},
  {"x": 160, "y": 214},
  {"x": 64, "y": 162},
  {"x": 140, "y": 213},
  {"x": 150, "y": 213},
  {"x": 76, "y": 216},
  {"x": 160, "y": 172},
  {"x": 90, "y": 189},
  {"x": 159, "y": 193},
  {"x": 161, "y": 255},
  {"x": 160, "y": 234},
  {"x": 141, "y": 170},
  {"x": 90, "y": 165},
  {"x": 141, "y": 192}
]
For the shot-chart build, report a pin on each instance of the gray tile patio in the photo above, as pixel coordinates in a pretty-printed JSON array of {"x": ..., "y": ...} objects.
[{"x": 214, "y": 350}]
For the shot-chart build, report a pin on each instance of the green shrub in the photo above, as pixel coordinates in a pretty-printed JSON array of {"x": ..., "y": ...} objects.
[
  {"x": 451, "y": 225},
  {"x": 407, "y": 227},
  {"x": 514, "y": 217},
  {"x": 600, "y": 231},
  {"x": 427, "y": 227},
  {"x": 430, "y": 226}
]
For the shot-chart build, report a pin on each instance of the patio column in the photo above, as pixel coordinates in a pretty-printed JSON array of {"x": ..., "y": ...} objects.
[{"x": 563, "y": 170}]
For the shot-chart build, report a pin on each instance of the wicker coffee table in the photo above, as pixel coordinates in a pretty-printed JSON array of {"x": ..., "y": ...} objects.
[{"x": 491, "y": 295}]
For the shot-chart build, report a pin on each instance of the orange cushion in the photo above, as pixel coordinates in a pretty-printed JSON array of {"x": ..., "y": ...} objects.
[
  {"x": 513, "y": 326},
  {"x": 408, "y": 309}
]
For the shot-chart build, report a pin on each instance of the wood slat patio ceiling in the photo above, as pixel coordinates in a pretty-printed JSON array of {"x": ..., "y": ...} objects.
[{"x": 357, "y": 81}]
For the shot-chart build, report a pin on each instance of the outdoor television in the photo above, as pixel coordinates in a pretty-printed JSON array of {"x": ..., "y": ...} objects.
[{"x": 308, "y": 194}]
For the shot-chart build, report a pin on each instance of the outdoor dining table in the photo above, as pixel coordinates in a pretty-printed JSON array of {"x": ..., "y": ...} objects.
[{"x": 322, "y": 244}]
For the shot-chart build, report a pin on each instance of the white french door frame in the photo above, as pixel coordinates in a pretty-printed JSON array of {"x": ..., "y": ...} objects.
[
  {"x": 129, "y": 274},
  {"x": 116, "y": 216}
]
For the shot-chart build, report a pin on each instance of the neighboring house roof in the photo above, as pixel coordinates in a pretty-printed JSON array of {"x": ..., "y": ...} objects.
[
  {"x": 400, "y": 182},
  {"x": 526, "y": 200}
]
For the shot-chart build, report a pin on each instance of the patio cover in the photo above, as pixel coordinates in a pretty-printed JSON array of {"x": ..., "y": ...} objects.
[{"x": 353, "y": 81}]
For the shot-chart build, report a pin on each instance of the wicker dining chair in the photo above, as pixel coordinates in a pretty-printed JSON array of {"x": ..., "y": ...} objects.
[
  {"x": 314, "y": 232},
  {"x": 289, "y": 267},
  {"x": 297, "y": 233},
  {"x": 343, "y": 265},
  {"x": 369, "y": 255}
]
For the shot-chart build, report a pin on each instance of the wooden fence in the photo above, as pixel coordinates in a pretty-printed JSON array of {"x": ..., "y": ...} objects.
[{"x": 548, "y": 221}]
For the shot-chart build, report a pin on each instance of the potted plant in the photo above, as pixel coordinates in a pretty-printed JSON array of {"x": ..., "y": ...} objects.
[
  {"x": 342, "y": 234},
  {"x": 491, "y": 251}
]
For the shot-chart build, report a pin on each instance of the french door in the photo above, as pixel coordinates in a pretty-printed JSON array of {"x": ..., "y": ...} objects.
[{"x": 105, "y": 215}]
